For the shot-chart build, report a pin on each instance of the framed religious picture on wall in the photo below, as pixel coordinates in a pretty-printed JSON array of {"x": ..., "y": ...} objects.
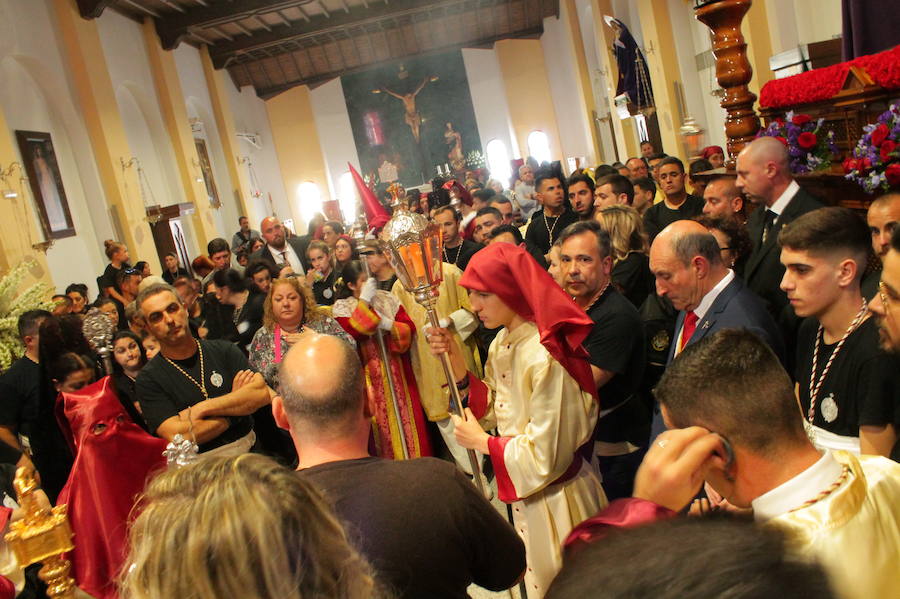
[
  {"x": 206, "y": 170},
  {"x": 39, "y": 160}
]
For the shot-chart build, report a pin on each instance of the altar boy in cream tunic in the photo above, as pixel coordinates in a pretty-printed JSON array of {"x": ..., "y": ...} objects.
[{"x": 538, "y": 384}]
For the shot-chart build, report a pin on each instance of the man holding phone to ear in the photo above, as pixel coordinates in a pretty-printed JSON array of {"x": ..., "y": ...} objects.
[{"x": 840, "y": 509}]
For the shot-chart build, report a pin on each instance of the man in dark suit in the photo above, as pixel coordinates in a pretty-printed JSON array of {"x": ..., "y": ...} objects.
[
  {"x": 278, "y": 249},
  {"x": 687, "y": 263},
  {"x": 764, "y": 175}
]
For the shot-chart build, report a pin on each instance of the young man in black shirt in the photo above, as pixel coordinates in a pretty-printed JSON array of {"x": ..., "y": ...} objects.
[
  {"x": 203, "y": 390},
  {"x": 457, "y": 251},
  {"x": 420, "y": 523},
  {"x": 547, "y": 224},
  {"x": 678, "y": 204},
  {"x": 840, "y": 370},
  {"x": 20, "y": 384},
  {"x": 616, "y": 353}
]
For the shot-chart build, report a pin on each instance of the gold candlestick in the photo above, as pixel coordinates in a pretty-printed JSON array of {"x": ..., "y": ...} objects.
[{"x": 43, "y": 535}]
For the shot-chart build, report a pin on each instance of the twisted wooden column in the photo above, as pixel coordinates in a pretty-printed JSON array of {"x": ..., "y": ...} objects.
[{"x": 733, "y": 70}]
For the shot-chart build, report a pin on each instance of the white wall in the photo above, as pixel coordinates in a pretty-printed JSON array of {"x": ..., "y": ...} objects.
[
  {"x": 489, "y": 99},
  {"x": 335, "y": 137},
  {"x": 250, "y": 116},
  {"x": 36, "y": 96},
  {"x": 565, "y": 90},
  {"x": 199, "y": 106}
]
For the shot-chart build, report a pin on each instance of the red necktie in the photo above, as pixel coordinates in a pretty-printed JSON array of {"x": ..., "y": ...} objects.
[{"x": 690, "y": 325}]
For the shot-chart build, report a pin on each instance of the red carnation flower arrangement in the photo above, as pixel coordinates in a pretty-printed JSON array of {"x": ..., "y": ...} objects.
[
  {"x": 810, "y": 146},
  {"x": 875, "y": 162}
]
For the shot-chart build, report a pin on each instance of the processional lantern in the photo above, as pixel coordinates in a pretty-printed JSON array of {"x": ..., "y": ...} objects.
[
  {"x": 415, "y": 248},
  {"x": 99, "y": 330}
]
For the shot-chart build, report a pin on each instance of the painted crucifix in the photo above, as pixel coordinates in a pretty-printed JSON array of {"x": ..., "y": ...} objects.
[{"x": 412, "y": 116}]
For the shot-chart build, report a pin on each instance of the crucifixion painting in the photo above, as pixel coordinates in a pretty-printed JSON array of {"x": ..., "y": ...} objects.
[{"x": 412, "y": 116}]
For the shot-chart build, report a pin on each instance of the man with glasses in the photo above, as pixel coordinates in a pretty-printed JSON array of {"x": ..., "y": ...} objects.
[
  {"x": 201, "y": 390},
  {"x": 886, "y": 308}
]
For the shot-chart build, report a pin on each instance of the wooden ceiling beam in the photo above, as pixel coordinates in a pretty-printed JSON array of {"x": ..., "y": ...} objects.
[
  {"x": 92, "y": 9},
  {"x": 319, "y": 24},
  {"x": 268, "y": 92},
  {"x": 172, "y": 29}
]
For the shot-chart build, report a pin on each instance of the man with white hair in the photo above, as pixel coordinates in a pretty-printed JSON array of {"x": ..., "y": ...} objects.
[{"x": 525, "y": 192}]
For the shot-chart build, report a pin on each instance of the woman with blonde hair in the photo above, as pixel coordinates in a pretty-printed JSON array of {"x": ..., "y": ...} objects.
[
  {"x": 240, "y": 527},
  {"x": 117, "y": 253},
  {"x": 631, "y": 264}
]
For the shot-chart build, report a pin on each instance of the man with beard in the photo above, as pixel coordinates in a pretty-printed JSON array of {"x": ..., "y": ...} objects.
[
  {"x": 581, "y": 196},
  {"x": 279, "y": 250},
  {"x": 882, "y": 218},
  {"x": 202, "y": 390},
  {"x": 885, "y": 306}
]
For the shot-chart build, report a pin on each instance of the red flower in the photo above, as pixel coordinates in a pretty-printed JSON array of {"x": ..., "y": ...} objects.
[
  {"x": 887, "y": 146},
  {"x": 892, "y": 174},
  {"x": 801, "y": 119},
  {"x": 851, "y": 164},
  {"x": 782, "y": 140},
  {"x": 879, "y": 134},
  {"x": 807, "y": 140},
  {"x": 780, "y": 121},
  {"x": 865, "y": 165}
]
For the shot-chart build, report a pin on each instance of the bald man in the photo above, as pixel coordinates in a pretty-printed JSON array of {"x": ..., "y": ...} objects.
[
  {"x": 723, "y": 199},
  {"x": 764, "y": 176},
  {"x": 687, "y": 264},
  {"x": 279, "y": 250},
  {"x": 882, "y": 218},
  {"x": 420, "y": 523}
]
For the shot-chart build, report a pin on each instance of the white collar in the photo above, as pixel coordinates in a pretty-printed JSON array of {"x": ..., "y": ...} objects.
[
  {"x": 784, "y": 199},
  {"x": 711, "y": 295},
  {"x": 800, "y": 489},
  {"x": 276, "y": 252}
]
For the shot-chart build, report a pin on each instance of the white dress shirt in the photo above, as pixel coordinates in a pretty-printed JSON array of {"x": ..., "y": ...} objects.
[
  {"x": 292, "y": 258},
  {"x": 784, "y": 199},
  {"x": 704, "y": 305}
]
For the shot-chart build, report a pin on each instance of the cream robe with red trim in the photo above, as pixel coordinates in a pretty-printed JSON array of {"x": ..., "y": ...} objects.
[{"x": 543, "y": 417}]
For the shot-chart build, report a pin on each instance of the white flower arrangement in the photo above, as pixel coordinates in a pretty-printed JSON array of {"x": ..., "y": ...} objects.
[{"x": 13, "y": 304}]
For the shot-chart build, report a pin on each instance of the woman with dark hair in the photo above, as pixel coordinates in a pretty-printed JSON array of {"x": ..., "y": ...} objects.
[
  {"x": 78, "y": 293},
  {"x": 344, "y": 252},
  {"x": 259, "y": 274},
  {"x": 67, "y": 364},
  {"x": 108, "y": 306},
  {"x": 256, "y": 245},
  {"x": 331, "y": 230},
  {"x": 172, "y": 270},
  {"x": 232, "y": 289},
  {"x": 734, "y": 242},
  {"x": 128, "y": 359},
  {"x": 362, "y": 309},
  {"x": 143, "y": 269}
]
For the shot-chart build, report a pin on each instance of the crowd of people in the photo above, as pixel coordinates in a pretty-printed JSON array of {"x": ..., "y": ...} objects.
[{"x": 648, "y": 358}]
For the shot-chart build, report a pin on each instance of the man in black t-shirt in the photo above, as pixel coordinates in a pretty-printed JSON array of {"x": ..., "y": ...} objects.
[
  {"x": 556, "y": 215},
  {"x": 199, "y": 389},
  {"x": 20, "y": 384},
  {"x": 616, "y": 353},
  {"x": 457, "y": 251},
  {"x": 840, "y": 370},
  {"x": 420, "y": 523},
  {"x": 678, "y": 204}
]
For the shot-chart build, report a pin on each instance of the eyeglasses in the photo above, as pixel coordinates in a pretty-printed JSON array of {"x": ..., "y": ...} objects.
[
  {"x": 726, "y": 249},
  {"x": 131, "y": 271}
]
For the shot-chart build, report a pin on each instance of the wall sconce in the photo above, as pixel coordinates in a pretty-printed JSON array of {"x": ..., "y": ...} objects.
[
  {"x": 8, "y": 192},
  {"x": 196, "y": 163}
]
